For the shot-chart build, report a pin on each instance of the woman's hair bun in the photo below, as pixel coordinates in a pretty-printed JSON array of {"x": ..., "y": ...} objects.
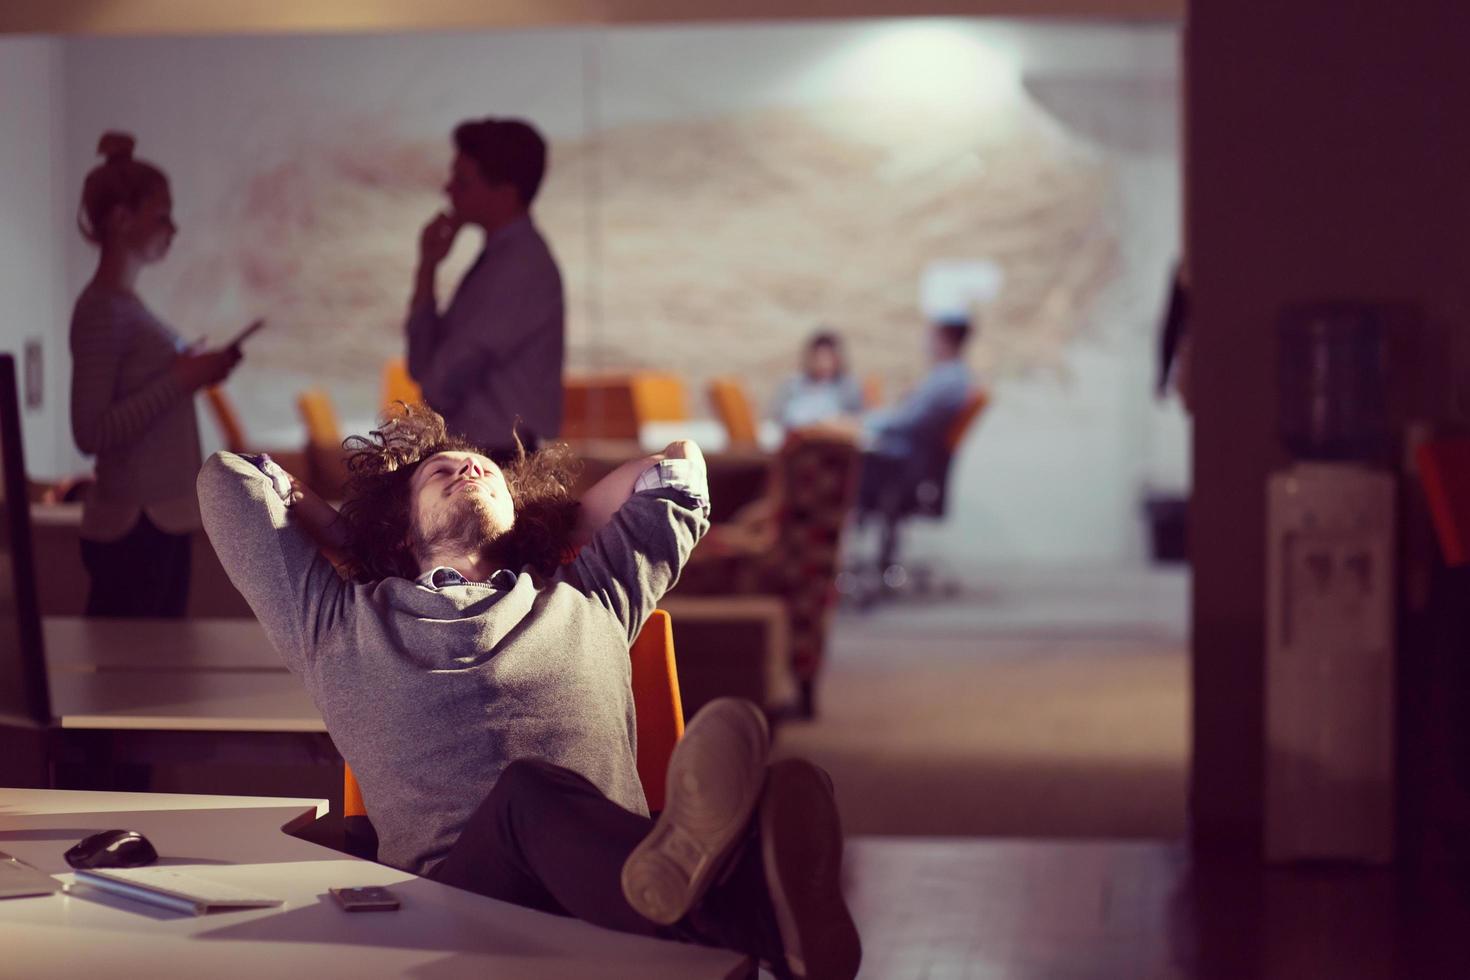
[{"x": 116, "y": 146}]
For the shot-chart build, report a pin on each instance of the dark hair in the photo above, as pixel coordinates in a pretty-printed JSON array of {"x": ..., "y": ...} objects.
[
  {"x": 506, "y": 151},
  {"x": 118, "y": 181},
  {"x": 378, "y": 511},
  {"x": 956, "y": 331},
  {"x": 830, "y": 340}
]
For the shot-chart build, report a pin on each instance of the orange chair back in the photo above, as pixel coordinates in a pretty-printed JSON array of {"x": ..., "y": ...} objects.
[
  {"x": 398, "y": 384},
  {"x": 872, "y": 391},
  {"x": 656, "y": 702},
  {"x": 732, "y": 407},
  {"x": 352, "y": 805},
  {"x": 230, "y": 429},
  {"x": 322, "y": 429},
  {"x": 658, "y": 397},
  {"x": 599, "y": 407},
  {"x": 964, "y": 419}
]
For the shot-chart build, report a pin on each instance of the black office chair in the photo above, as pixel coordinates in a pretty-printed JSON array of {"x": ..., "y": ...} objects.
[{"x": 895, "y": 491}]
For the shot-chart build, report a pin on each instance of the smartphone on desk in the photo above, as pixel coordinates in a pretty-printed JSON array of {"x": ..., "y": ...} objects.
[{"x": 370, "y": 898}]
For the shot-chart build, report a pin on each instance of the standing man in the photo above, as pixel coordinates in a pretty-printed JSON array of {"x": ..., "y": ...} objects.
[{"x": 491, "y": 361}]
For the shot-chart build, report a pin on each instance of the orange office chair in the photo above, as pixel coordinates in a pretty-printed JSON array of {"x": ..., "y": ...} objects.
[
  {"x": 230, "y": 429},
  {"x": 918, "y": 488},
  {"x": 963, "y": 419},
  {"x": 660, "y": 724},
  {"x": 658, "y": 397},
  {"x": 398, "y": 384},
  {"x": 656, "y": 702},
  {"x": 232, "y": 434},
  {"x": 326, "y": 464},
  {"x": 872, "y": 391},
  {"x": 322, "y": 429},
  {"x": 732, "y": 407},
  {"x": 599, "y": 407}
]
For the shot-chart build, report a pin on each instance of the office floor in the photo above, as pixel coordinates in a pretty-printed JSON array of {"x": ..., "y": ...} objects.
[
  {"x": 1035, "y": 704},
  {"x": 993, "y": 756},
  {"x": 976, "y": 909}
]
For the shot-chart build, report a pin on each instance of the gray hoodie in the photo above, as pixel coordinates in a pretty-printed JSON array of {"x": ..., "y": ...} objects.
[{"x": 430, "y": 692}]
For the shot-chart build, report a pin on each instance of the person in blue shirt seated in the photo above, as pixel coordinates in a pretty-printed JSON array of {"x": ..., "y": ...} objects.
[
  {"x": 922, "y": 416},
  {"x": 905, "y": 443},
  {"x": 822, "y": 391},
  {"x": 917, "y": 424}
]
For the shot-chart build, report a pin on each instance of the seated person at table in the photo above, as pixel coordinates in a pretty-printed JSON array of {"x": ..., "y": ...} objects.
[
  {"x": 899, "y": 430},
  {"x": 822, "y": 391},
  {"x": 896, "y": 440},
  {"x": 478, "y": 683}
]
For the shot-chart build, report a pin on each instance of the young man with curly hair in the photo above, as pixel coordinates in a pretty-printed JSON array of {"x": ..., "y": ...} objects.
[{"x": 472, "y": 667}]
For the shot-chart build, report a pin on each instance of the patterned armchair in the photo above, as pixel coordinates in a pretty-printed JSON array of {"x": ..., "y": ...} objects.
[{"x": 787, "y": 545}]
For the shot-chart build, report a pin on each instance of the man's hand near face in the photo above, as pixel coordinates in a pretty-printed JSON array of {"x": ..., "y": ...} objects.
[{"x": 435, "y": 241}]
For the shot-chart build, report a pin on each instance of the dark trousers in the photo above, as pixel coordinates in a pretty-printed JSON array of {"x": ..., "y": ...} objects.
[
  {"x": 884, "y": 485},
  {"x": 546, "y": 838},
  {"x": 145, "y": 573}
]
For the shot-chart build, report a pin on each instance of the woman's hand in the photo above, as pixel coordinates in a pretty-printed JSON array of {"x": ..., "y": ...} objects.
[{"x": 195, "y": 370}]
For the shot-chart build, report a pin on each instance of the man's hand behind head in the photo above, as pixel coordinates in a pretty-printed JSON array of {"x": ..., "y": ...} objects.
[{"x": 683, "y": 449}]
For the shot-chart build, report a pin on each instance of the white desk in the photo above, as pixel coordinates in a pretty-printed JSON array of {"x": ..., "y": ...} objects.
[
  {"x": 440, "y": 932},
  {"x": 79, "y": 643},
  {"x": 183, "y": 700},
  {"x": 217, "y": 675}
]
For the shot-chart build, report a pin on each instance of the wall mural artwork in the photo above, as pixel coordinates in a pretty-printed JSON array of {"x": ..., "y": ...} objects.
[
  {"x": 724, "y": 239},
  {"x": 701, "y": 246},
  {"x": 717, "y": 192}
]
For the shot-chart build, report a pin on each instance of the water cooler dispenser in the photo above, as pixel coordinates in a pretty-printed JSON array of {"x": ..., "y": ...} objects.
[{"x": 1329, "y": 766}]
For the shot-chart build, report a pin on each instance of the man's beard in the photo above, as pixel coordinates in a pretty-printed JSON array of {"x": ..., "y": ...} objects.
[{"x": 469, "y": 527}]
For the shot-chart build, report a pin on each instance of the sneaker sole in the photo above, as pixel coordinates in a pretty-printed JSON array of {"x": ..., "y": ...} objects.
[
  {"x": 801, "y": 841},
  {"x": 715, "y": 778}
]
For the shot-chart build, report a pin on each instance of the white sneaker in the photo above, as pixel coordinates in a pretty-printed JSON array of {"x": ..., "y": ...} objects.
[{"x": 715, "y": 778}]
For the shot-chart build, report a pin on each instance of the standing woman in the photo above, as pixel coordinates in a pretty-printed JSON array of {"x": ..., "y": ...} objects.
[{"x": 132, "y": 405}]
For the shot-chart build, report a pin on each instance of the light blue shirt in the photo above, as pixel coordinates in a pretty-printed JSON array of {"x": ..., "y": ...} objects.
[
  {"x": 802, "y": 401},
  {"x": 904, "y": 427}
]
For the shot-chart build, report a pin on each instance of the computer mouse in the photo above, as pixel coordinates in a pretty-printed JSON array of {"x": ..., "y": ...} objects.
[{"x": 112, "y": 849}]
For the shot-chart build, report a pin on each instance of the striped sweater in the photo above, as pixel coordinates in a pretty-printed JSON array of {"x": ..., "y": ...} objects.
[{"x": 129, "y": 410}]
